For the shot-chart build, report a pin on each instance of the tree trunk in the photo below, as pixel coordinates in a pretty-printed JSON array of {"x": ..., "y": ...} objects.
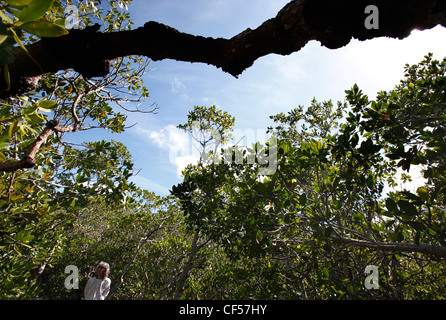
[{"x": 188, "y": 267}]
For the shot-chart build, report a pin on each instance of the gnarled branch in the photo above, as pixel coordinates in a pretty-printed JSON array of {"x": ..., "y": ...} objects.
[
  {"x": 333, "y": 23},
  {"x": 28, "y": 160}
]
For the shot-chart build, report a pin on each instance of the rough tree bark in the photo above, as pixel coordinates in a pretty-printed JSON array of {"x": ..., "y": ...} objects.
[{"x": 333, "y": 23}]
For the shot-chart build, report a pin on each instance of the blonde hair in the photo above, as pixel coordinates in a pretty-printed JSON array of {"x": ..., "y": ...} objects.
[{"x": 106, "y": 266}]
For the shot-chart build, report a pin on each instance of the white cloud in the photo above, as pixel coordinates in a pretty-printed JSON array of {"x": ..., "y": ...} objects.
[
  {"x": 177, "y": 142},
  {"x": 177, "y": 86}
]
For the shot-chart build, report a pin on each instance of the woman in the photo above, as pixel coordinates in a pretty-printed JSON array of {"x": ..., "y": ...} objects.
[{"x": 98, "y": 287}]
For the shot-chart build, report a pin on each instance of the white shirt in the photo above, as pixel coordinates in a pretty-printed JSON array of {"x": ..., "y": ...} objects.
[{"x": 97, "y": 289}]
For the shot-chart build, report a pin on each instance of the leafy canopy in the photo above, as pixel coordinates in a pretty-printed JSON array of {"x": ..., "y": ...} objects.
[{"x": 334, "y": 190}]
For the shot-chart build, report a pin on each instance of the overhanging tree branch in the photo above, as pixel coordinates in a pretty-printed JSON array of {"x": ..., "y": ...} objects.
[
  {"x": 438, "y": 251},
  {"x": 28, "y": 159},
  {"x": 333, "y": 23}
]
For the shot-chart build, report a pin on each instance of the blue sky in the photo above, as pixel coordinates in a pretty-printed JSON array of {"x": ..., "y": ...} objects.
[{"x": 272, "y": 85}]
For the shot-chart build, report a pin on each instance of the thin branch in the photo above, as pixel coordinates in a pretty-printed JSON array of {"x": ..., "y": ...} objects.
[
  {"x": 438, "y": 251},
  {"x": 142, "y": 241},
  {"x": 10, "y": 186}
]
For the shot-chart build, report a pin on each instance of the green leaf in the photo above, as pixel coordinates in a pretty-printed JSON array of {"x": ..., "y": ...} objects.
[
  {"x": 391, "y": 206},
  {"x": 35, "y": 10},
  {"x": 278, "y": 188},
  {"x": 422, "y": 193},
  {"x": 46, "y": 105},
  {"x": 285, "y": 145},
  {"x": 4, "y": 145},
  {"x": 12, "y": 128},
  {"x": 34, "y": 118},
  {"x": 43, "y": 29},
  {"x": 407, "y": 207},
  {"x": 81, "y": 178},
  {"x": 259, "y": 236},
  {"x": 27, "y": 238},
  {"x": 3, "y": 37},
  {"x": 5, "y": 18},
  {"x": 24, "y": 236}
]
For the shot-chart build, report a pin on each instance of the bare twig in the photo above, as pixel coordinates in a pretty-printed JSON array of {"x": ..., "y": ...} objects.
[{"x": 142, "y": 241}]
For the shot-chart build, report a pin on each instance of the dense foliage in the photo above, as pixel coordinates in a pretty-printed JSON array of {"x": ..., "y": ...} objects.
[
  {"x": 38, "y": 205},
  {"x": 327, "y": 213},
  {"x": 308, "y": 230}
]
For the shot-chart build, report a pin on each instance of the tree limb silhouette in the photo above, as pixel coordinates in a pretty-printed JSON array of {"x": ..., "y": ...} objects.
[{"x": 333, "y": 23}]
